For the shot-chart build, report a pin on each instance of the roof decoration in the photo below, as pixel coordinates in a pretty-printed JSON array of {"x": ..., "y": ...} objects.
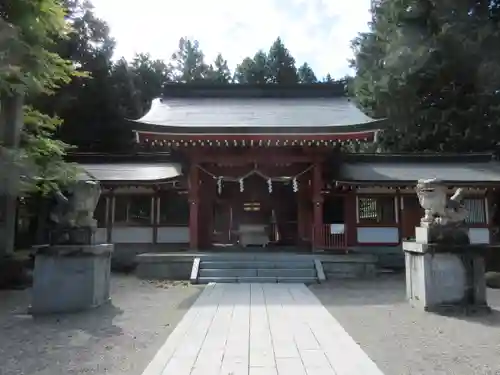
[{"x": 217, "y": 141}]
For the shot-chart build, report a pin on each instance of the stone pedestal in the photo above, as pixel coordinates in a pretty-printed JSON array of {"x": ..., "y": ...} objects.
[
  {"x": 445, "y": 276},
  {"x": 71, "y": 278}
]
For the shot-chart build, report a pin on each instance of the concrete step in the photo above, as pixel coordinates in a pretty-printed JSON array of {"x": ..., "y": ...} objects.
[
  {"x": 227, "y": 272},
  {"x": 253, "y": 269},
  {"x": 254, "y": 264},
  {"x": 246, "y": 272},
  {"x": 260, "y": 257},
  {"x": 206, "y": 280},
  {"x": 305, "y": 280},
  {"x": 286, "y": 273},
  {"x": 271, "y": 280},
  {"x": 257, "y": 279}
]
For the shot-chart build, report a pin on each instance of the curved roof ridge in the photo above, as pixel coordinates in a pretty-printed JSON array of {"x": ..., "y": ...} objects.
[
  {"x": 267, "y": 90},
  {"x": 221, "y": 115}
]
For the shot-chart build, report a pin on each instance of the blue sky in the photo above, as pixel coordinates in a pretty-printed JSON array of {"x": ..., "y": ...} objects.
[{"x": 316, "y": 31}]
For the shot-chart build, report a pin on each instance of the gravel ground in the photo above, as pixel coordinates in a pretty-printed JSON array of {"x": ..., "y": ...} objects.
[
  {"x": 118, "y": 339},
  {"x": 124, "y": 337},
  {"x": 404, "y": 341}
]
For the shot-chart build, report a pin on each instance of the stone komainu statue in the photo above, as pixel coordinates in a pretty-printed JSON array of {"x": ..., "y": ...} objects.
[
  {"x": 439, "y": 210},
  {"x": 73, "y": 214},
  {"x": 77, "y": 209}
]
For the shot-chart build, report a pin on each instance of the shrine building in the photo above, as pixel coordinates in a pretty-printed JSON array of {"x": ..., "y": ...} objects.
[{"x": 244, "y": 167}]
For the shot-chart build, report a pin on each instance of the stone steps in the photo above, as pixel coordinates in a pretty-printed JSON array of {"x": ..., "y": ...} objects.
[
  {"x": 269, "y": 280},
  {"x": 266, "y": 270},
  {"x": 253, "y": 272},
  {"x": 257, "y": 264},
  {"x": 179, "y": 266}
]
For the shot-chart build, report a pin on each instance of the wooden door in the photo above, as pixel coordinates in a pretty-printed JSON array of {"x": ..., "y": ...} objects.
[
  {"x": 307, "y": 221},
  {"x": 411, "y": 213},
  {"x": 222, "y": 223},
  {"x": 285, "y": 212}
]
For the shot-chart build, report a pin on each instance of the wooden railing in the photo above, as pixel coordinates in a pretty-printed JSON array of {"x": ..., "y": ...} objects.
[{"x": 328, "y": 240}]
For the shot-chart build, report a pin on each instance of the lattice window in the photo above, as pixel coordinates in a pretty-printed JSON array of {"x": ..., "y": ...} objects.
[
  {"x": 376, "y": 210},
  {"x": 133, "y": 210},
  {"x": 477, "y": 210},
  {"x": 174, "y": 209}
]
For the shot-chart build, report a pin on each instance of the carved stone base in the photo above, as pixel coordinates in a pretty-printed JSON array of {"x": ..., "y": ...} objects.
[
  {"x": 446, "y": 235},
  {"x": 72, "y": 236},
  {"x": 71, "y": 278},
  {"x": 445, "y": 281}
]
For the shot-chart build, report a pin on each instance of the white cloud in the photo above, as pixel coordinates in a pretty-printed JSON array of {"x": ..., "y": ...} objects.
[{"x": 316, "y": 31}]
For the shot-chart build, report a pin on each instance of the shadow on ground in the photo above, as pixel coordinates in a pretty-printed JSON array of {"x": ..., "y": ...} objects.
[
  {"x": 117, "y": 338},
  {"x": 403, "y": 340},
  {"x": 491, "y": 319},
  {"x": 391, "y": 290},
  {"x": 384, "y": 290}
]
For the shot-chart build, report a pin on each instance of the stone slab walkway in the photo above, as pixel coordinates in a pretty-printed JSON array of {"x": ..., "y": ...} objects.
[{"x": 259, "y": 329}]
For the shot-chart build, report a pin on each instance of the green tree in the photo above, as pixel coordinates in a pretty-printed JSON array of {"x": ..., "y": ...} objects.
[
  {"x": 149, "y": 78},
  {"x": 188, "y": 62},
  {"x": 29, "y": 67},
  {"x": 129, "y": 99},
  {"x": 27, "y": 62},
  {"x": 306, "y": 74},
  {"x": 328, "y": 79},
  {"x": 220, "y": 71},
  {"x": 44, "y": 169},
  {"x": 92, "y": 108},
  {"x": 432, "y": 69},
  {"x": 253, "y": 71},
  {"x": 243, "y": 71},
  {"x": 281, "y": 64}
]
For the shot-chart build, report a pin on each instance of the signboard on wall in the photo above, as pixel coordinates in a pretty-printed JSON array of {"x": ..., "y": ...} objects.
[{"x": 337, "y": 228}]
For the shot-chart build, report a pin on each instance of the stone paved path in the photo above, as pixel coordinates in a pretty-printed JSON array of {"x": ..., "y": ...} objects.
[{"x": 259, "y": 329}]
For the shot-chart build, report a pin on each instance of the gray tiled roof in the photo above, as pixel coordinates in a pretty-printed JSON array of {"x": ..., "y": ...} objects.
[
  {"x": 484, "y": 172},
  {"x": 132, "y": 171},
  {"x": 254, "y": 112}
]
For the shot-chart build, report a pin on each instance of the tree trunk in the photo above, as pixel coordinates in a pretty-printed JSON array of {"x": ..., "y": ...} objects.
[{"x": 11, "y": 123}]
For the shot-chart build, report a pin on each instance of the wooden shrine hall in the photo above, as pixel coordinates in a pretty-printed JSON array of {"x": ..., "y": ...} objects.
[{"x": 244, "y": 166}]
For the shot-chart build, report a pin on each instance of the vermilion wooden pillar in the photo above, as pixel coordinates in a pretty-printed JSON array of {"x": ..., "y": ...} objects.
[
  {"x": 206, "y": 197},
  {"x": 350, "y": 218},
  {"x": 302, "y": 198},
  {"x": 317, "y": 200},
  {"x": 194, "y": 204}
]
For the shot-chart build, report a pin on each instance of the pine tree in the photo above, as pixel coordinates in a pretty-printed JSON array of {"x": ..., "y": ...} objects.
[
  {"x": 281, "y": 64},
  {"x": 306, "y": 74},
  {"x": 188, "y": 62},
  {"x": 253, "y": 71},
  {"x": 219, "y": 71}
]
